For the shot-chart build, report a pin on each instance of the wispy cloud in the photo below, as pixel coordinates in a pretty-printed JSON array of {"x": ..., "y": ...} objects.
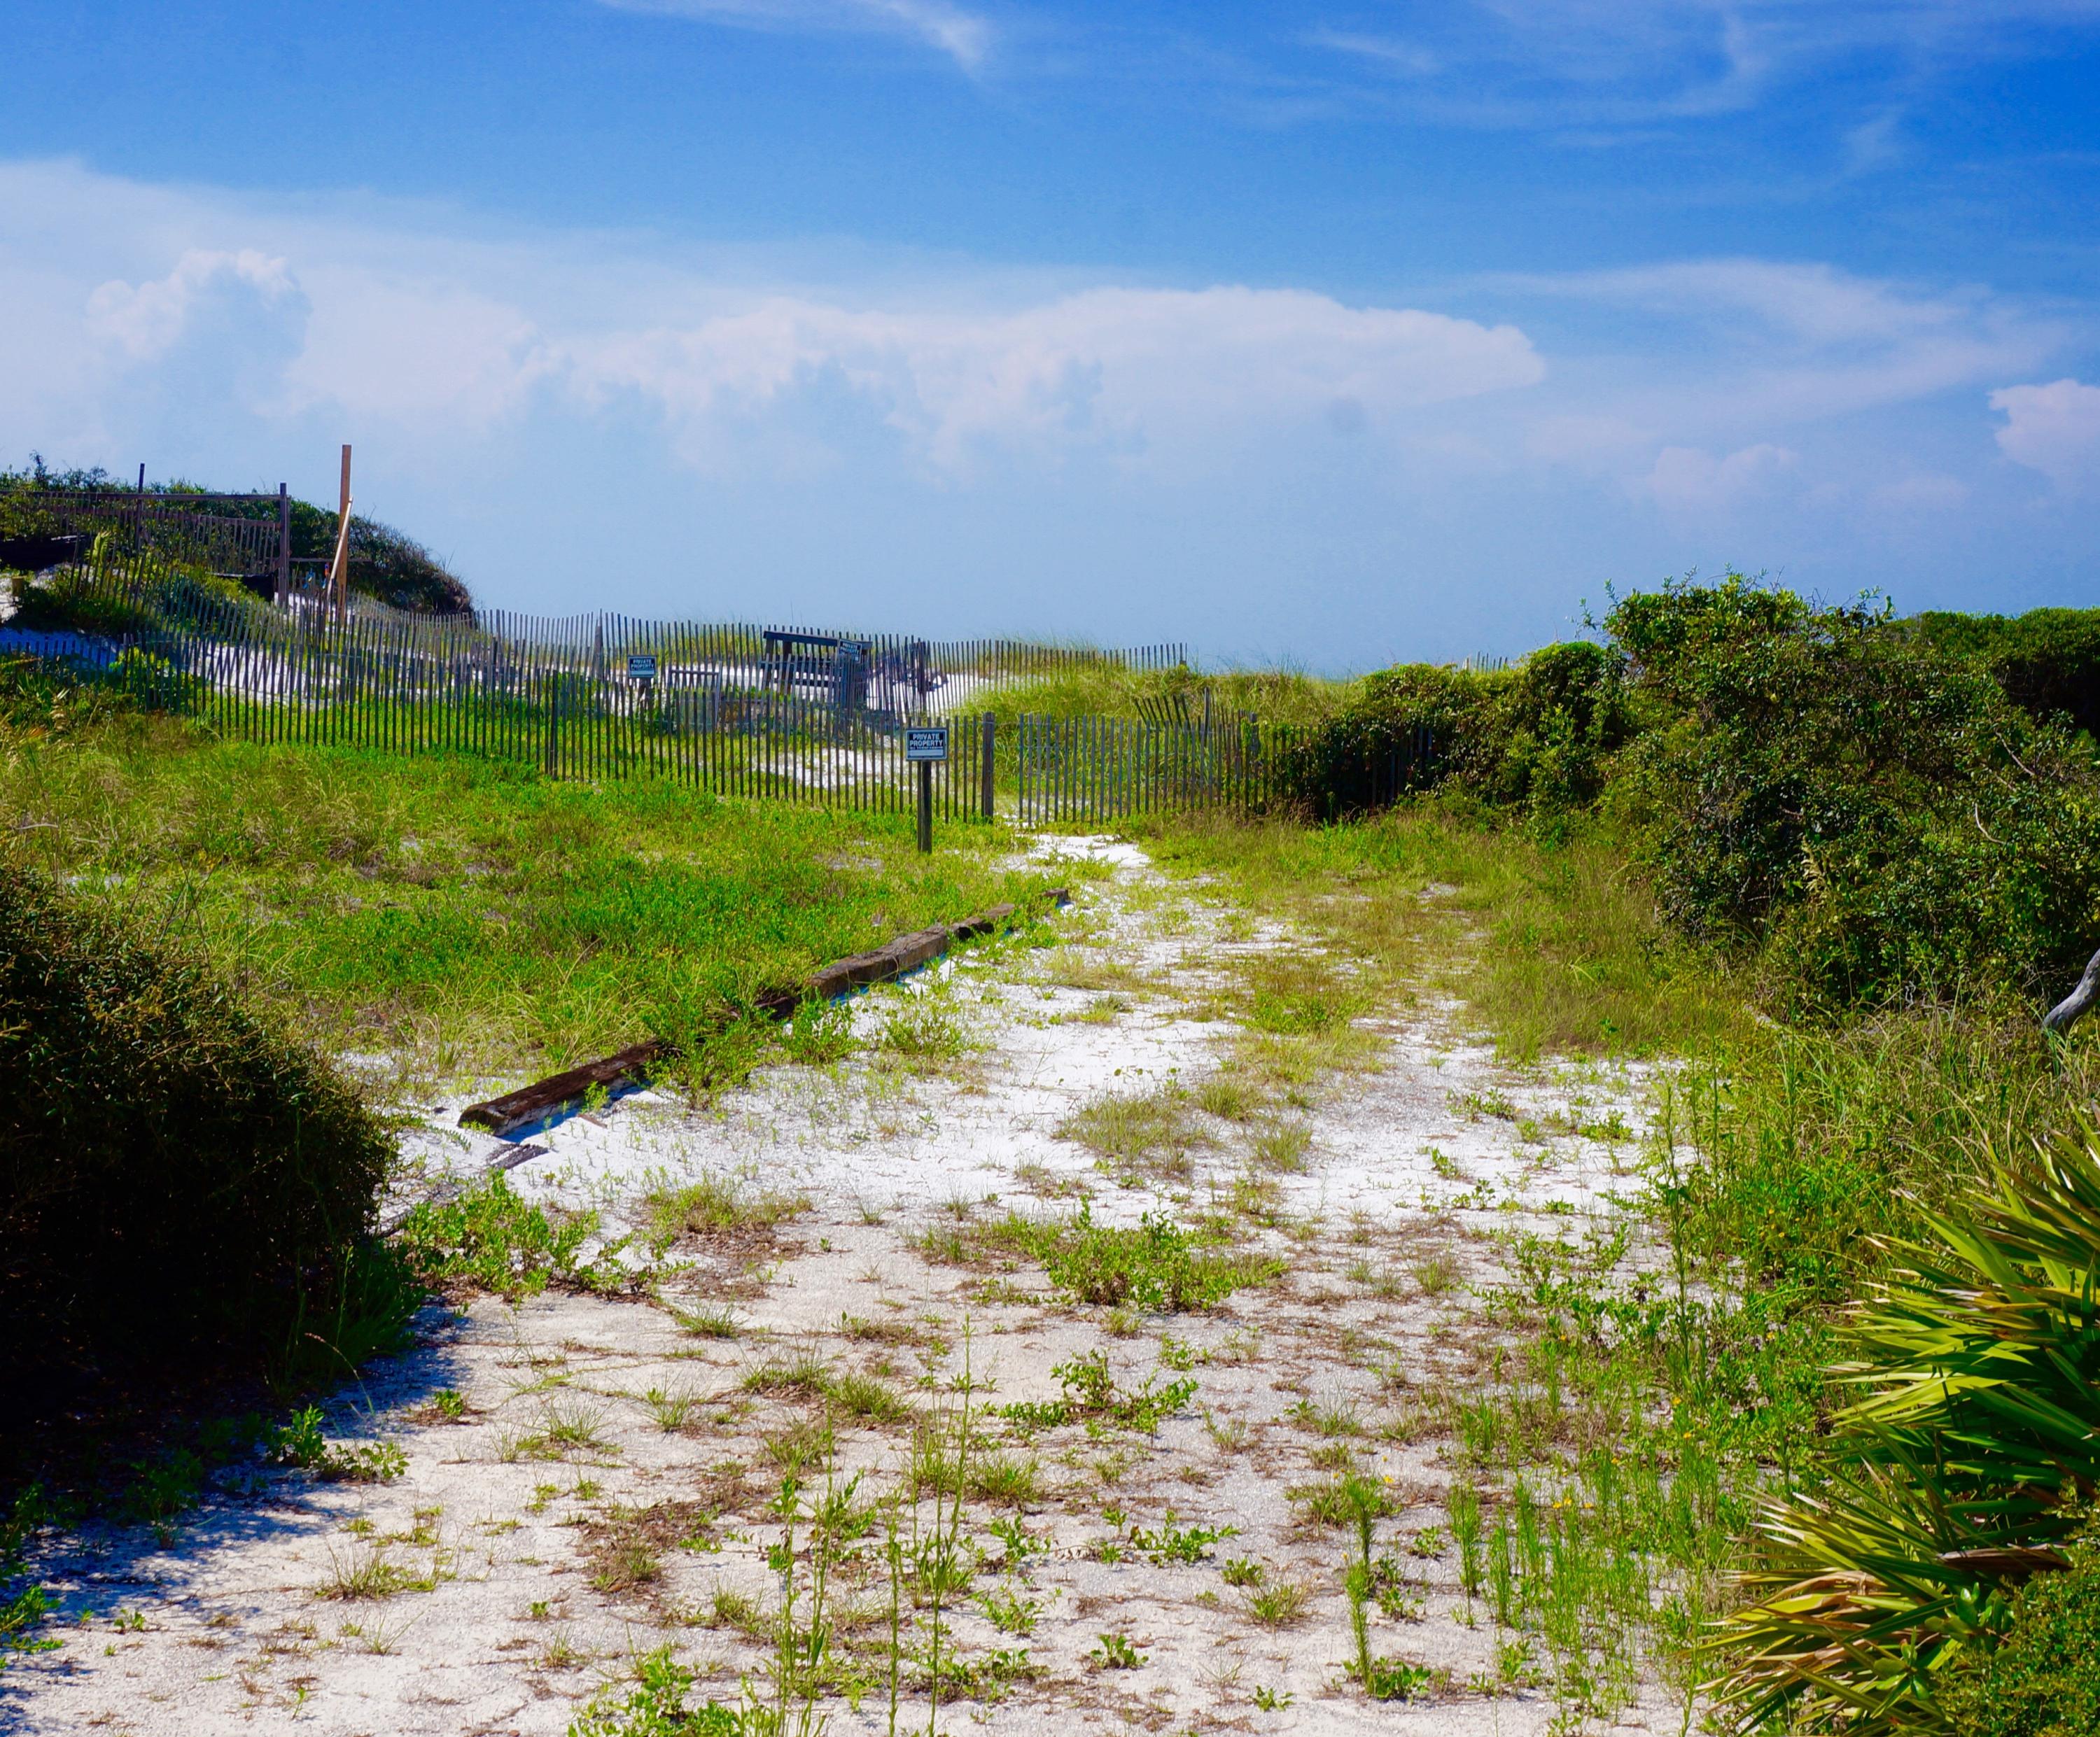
[
  {"x": 1613, "y": 64},
  {"x": 965, "y": 38},
  {"x": 1748, "y": 344}
]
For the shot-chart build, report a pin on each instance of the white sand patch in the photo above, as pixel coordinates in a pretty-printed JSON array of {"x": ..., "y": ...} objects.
[{"x": 495, "y": 1531}]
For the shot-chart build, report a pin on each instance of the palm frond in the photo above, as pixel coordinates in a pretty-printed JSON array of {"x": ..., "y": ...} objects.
[{"x": 1961, "y": 1466}]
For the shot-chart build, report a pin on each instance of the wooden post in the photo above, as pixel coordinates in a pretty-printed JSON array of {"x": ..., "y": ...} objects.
[
  {"x": 925, "y": 807},
  {"x": 339, "y": 569},
  {"x": 138, "y": 518},
  {"x": 987, "y": 792},
  {"x": 284, "y": 546}
]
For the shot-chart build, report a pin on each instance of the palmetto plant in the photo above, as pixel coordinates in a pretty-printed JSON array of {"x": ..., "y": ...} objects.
[{"x": 1965, "y": 1464}]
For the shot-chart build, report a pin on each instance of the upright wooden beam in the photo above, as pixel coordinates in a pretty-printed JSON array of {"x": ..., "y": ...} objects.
[
  {"x": 339, "y": 570},
  {"x": 283, "y": 545}
]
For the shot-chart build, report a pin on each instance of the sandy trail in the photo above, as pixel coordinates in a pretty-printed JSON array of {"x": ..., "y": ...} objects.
[{"x": 509, "y": 1538}]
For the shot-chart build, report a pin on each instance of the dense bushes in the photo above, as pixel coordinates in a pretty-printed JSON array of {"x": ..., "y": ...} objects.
[
  {"x": 2048, "y": 660},
  {"x": 1862, "y": 810},
  {"x": 384, "y": 563},
  {"x": 174, "y": 1175},
  {"x": 1536, "y": 738},
  {"x": 1871, "y": 811}
]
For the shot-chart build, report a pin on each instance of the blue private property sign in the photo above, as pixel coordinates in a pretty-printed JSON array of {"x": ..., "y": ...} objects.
[{"x": 926, "y": 742}]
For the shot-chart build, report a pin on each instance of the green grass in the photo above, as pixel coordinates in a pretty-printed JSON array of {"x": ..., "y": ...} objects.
[
  {"x": 1278, "y": 696},
  {"x": 1142, "y": 1132},
  {"x": 1155, "y": 1265},
  {"x": 717, "y": 1206},
  {"x": 1613, "y": 1452},
  {"x": 461, "y": 916},
  {"x": 1554, "y": 947}
]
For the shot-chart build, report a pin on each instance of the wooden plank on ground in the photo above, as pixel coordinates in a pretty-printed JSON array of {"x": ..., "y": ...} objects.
[
  {"x": 505, "y": 1116},
  {"x": 522, "y": 1108}
]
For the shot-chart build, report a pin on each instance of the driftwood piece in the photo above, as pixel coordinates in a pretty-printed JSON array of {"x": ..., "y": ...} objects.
[
  {"x": 2058, "y": 1018},
  {"x": 529, "y": 1103},
  {"x": 519, "y": 1109},
  {"x": 886, "y": 963}
]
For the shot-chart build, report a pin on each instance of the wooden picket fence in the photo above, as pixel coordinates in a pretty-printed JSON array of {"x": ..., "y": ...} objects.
[{"x": 716, "y": 710}]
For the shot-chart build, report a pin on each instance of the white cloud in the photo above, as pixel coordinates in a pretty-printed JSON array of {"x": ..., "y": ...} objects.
[
  {"x": 964, "y": 37},
  {"x": 407, "y": 318},
  {"x": 1132, "y": 369},
  {"x": 1688, "y": 483},
  {"x": 1390, "y": 53},
  {"x": 145, "y": 321},
  {"x": 1815, "y": 303},
  {"x": 2053, "y": 429},
  {"x": 828, "y": 413},
  {"x": 384, "y": 344},
  {"x": 1739, "y": 347}
]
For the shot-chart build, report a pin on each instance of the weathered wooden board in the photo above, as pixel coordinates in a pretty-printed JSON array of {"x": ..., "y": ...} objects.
[{"x": 522, "y": 1108}]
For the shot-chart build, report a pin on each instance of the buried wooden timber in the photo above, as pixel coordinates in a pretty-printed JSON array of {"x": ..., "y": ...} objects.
[
  {"x": 884, "y": 964},
  {"x": 529, "y": 1105},
  {"x": 521, "y": 1109}
]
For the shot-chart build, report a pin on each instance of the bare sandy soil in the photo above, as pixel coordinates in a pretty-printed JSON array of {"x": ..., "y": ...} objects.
[{"x": 604, "y": 1491}]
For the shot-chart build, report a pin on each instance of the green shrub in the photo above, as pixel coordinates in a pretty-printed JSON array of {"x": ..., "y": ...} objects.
[
  {"x": 1537, "y": 739},
  {"x": 384, "y": 562},
  {"x": 1541, "y": 737},
  {"x": 174, "y": 1174},
  {"x": 488, "y": 1238},
  {"x": 1861, "y": 807},
  {"x": 1385, "y": 745},
  {"x": 1157, "y": 1265},
  {"x": 1871, "y": 811},
  {"x": 2043, "y": 1680},
  {"x": 2047, "y": 661}
]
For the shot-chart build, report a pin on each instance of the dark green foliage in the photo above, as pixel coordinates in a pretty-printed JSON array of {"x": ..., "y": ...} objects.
[
  {"x": 2044, "y": 1678},
  {"x": 1536, "y": 738},
  {"x": 1541, "y": 737},
  {"x": 489, "y": 1239},
  {"x": 175, "y": 1175},
  {"x": 1864, "y": 806},
  {"x": 384, "y": 563},
  {"x": 1373, "y": 753},
  {"x": 1871, "y": 811},
  {"x": 1956, "y": 1479},
  {"x": 2047, "y": 660}
]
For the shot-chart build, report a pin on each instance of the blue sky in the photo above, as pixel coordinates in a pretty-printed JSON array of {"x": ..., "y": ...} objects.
[{"x": 1333, "y": 333}]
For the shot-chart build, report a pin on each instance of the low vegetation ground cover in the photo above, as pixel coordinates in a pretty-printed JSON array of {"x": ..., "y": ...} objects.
[
  {"x": 1828, "y": 1446},
  {"x": 190, "y": 924},
  {"x": 461, "y": 916},
  {"x": 1643, "y": 1445}
]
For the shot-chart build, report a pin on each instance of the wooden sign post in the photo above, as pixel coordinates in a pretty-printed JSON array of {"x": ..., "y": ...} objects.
[
  {"x": 339, "y": 569},
  {"x": 925, "y": 745}
]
